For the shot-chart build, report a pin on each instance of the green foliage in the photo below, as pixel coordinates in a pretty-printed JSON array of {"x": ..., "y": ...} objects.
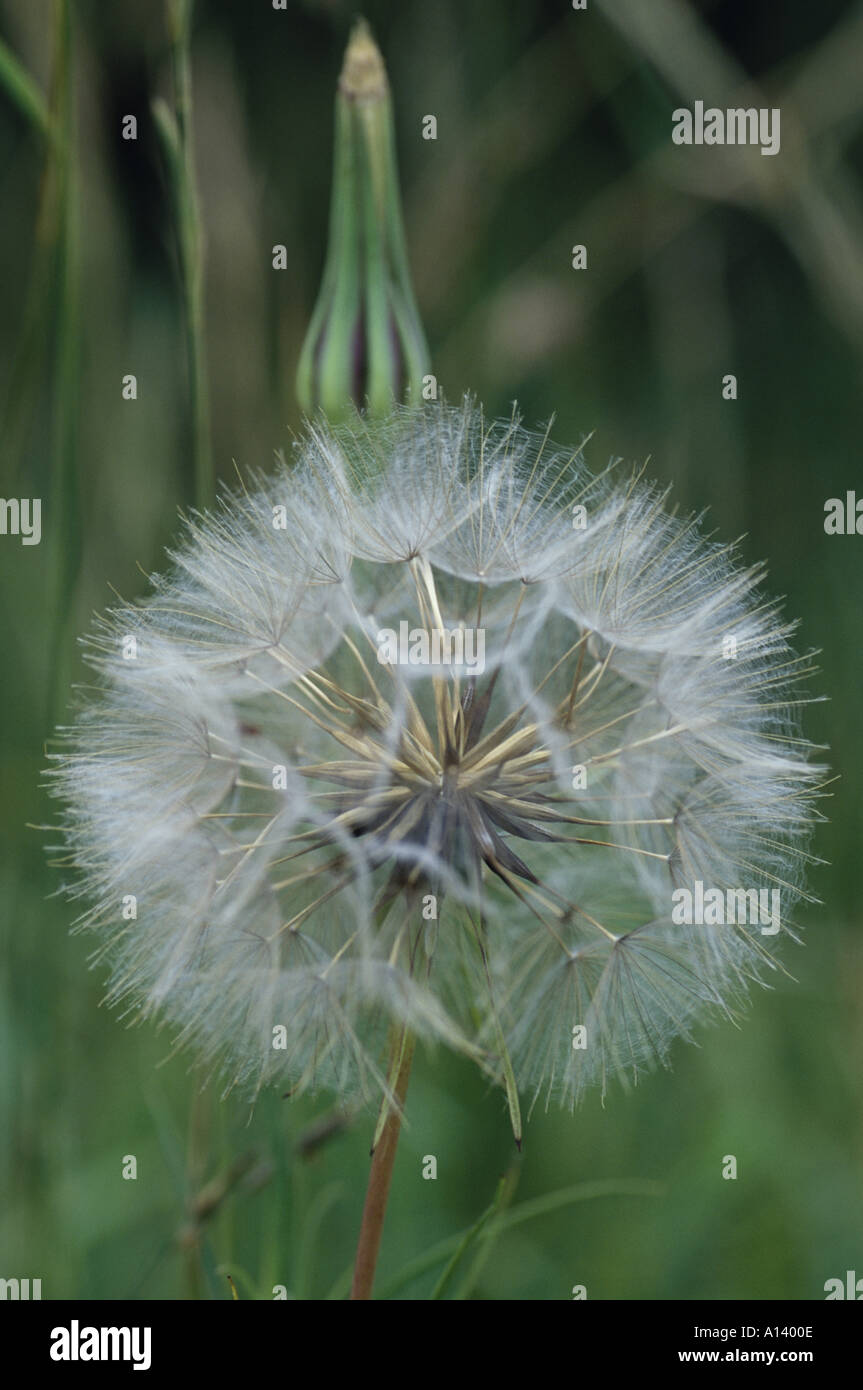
[{"x": 553, "y": 130}]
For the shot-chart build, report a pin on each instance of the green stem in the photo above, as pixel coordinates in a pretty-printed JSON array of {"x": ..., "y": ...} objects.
[
  {"x": 65, "y": 547},
  {"x": 175, "y": 129}
]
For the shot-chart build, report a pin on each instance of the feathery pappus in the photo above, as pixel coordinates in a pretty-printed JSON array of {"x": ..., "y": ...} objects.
[{"x": 325, "y": 835}]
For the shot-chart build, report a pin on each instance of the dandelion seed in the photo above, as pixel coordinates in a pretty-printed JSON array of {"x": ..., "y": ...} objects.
[{"x": 424, "y": 861}]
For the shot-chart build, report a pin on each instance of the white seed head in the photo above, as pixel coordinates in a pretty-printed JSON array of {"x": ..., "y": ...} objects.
[{"x": 323, "y": 842}]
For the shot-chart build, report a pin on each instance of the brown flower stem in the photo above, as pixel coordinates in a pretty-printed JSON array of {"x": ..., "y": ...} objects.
[{"x": 380, "y": 1176}]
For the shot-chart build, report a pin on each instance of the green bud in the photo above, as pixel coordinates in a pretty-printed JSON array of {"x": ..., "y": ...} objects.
[{"x": 365, "y": 346}]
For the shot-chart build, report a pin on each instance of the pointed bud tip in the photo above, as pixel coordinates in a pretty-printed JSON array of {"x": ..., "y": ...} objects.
[{"x": 363, "y": 76}]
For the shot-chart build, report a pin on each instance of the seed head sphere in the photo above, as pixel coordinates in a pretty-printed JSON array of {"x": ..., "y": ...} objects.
[{"x": 427, "y": 729}]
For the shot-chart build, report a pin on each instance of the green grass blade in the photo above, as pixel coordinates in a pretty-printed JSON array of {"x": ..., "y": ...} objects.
[
  {"x": 175, "y": 131},
  {"x": 506, "y": 1184},
  {"x": 17, "y": 84},
  {"x": 526, "y": 1211}
]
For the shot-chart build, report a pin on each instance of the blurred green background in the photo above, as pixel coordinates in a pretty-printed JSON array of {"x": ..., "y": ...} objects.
[{"x": 554, "y": 128}]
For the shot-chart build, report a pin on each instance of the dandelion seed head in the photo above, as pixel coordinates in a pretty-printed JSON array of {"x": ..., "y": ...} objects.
[{"x": 320, "y": 842}]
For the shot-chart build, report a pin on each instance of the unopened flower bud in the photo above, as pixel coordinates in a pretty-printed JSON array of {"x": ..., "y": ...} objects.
[{"x": 365, "y": 345}]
